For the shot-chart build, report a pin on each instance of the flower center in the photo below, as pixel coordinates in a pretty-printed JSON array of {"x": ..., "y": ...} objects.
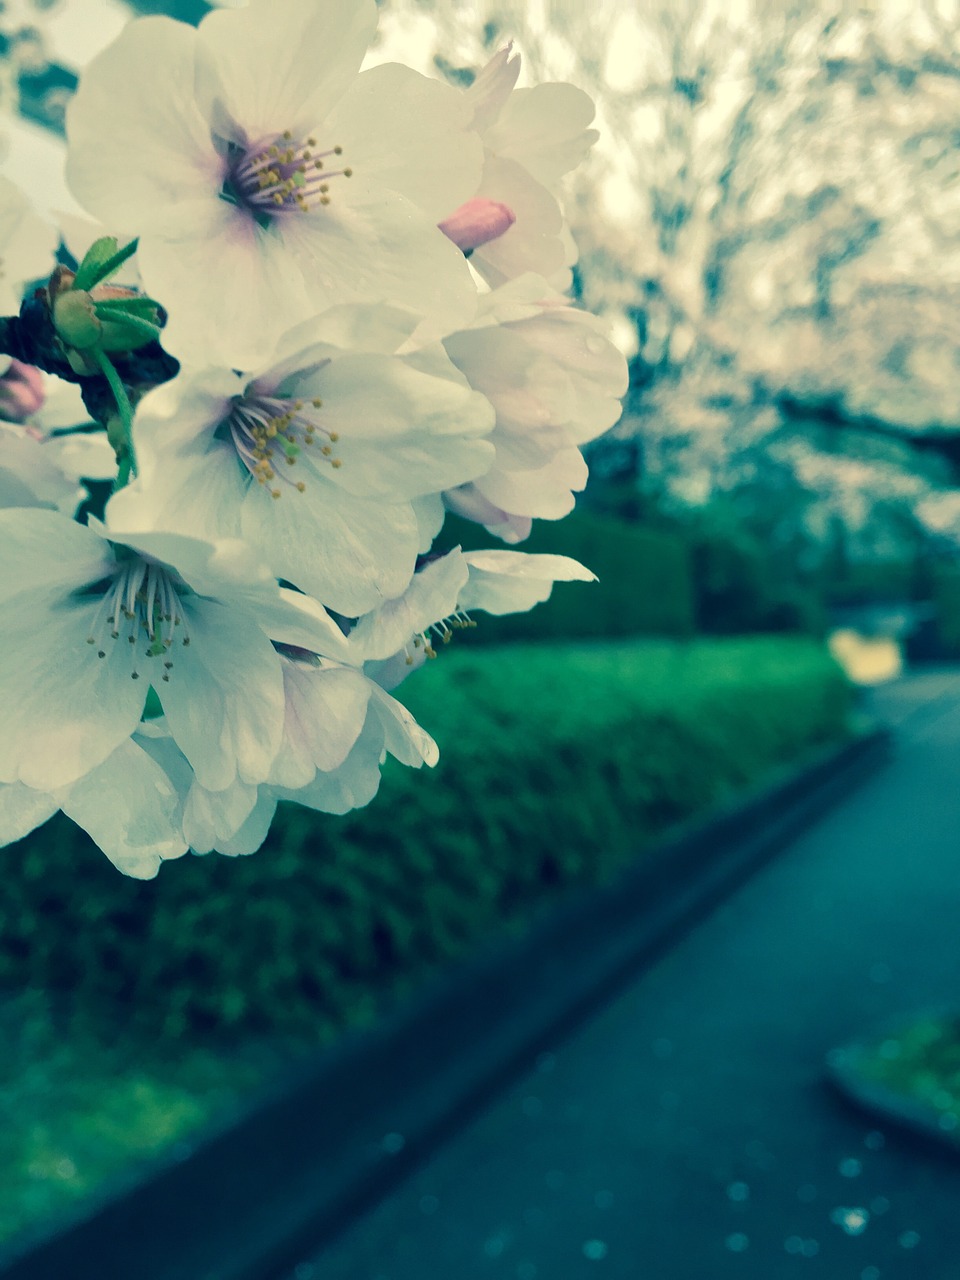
[
  {"x": 270, "y": 432},
  {"x": 280, "y": 174},
  {"x": 141, "y": 604}
]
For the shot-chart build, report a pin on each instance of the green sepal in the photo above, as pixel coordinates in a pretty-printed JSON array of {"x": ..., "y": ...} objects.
[
  {"x": 101, "y": 260},
  {"x": 136, "y": 305},
  {"x": 122, "y": 332}
]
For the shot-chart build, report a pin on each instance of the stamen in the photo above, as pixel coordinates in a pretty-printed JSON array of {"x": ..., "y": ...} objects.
[
  {"x": 269, "y": 430},
  {"x": 140, "y": 603},
  {"x": 280, "y": 174}
]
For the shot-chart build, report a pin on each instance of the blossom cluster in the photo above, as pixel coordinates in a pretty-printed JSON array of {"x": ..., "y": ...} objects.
[{"x": 315, "y": 309}]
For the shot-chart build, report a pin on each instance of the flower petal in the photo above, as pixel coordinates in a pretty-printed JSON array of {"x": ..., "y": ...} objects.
[
  {"x": 512, "y": 582},
  {"x": 224, "y": 699},
  {"x": 22, "y": 810},
  {"x": 140, "y": 152},
  {"x": 283, "y": 64},
  {"x": 347, "y": 552},
  {"x": 411, "y": 135},
  {"x": 131, "y": 809}
]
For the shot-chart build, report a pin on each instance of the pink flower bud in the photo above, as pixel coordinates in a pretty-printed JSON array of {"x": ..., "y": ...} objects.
[
  {"x": 21, "y": 392},
  {"x": 477, "y": 222}
]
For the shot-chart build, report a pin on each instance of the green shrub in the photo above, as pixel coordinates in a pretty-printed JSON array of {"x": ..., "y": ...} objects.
[
  {"x": 557, "y": 765},
  {"x": 946, "y": 603}
]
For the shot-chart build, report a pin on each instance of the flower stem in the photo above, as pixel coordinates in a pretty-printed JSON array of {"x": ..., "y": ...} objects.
[{"x": 122, "y": 439}]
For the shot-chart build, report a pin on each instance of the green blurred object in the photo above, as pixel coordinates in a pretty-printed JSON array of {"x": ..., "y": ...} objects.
[
  {"x": 911, "y": 1075},
  {"x": 946, "y": 603}
]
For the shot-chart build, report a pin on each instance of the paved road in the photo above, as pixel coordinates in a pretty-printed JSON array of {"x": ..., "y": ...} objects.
[{"x": 685, "y": 1132}]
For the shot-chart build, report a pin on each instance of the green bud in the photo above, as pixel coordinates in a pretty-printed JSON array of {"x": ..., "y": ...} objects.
[{"x": 75, "y": 320}]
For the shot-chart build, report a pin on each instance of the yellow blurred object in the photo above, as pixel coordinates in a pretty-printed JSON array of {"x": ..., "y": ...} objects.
[{"x": 867, "y": 660}]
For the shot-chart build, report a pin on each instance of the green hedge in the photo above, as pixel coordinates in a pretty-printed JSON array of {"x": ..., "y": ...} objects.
[
  {"x": 557, "y": 765},
  {"x": 644, "y": 586}
]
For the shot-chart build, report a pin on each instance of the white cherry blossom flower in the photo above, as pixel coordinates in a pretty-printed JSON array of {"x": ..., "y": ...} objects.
[
  {"x": 94, "y": 616},
  {"x": 394, "y": 640},
  {"x": 266, "y": 178},
  {"x": 316, "y": 461},
  {"x": 555, "y": 381},
  {"x": 532, "y": 138},
  {"x": 27, "y": 246}
]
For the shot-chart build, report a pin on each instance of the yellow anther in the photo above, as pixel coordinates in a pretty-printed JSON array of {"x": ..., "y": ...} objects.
[
  {"x": 301, "y": 486},
  {"x": 336, "y": 462},
  {"x": 274, "y": 493},
  {"x": 317, "y": 403},
  {"x": 334, "y": 437},
  {"x": 326, "y": 451},
  {"x": 278, "y": 198},
  {"x": 324, "y": 199},
  {"x": 338, "y": 151},
  {"x": 348, "y": 173}
]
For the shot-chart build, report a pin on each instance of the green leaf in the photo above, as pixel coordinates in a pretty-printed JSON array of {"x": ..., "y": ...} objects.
[{"x": 101, "y": 260}]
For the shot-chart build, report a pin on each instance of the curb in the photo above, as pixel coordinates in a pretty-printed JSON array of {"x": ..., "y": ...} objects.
[
  {"x": 252, "y": 1200},
  {"x": 909, "y": 1115}
]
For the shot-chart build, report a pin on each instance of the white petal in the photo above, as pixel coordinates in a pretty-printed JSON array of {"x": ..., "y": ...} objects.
[
  {"x": 404, "y": 431},
  {"x": 224, "y": 699},
  {"x": 211, "y": 818},
  {"x": 65, "y": 711},
  {"x": 354, "y": 783},
  {"x": 533, "y": 243},
  {"x": 512, "y": 582},
  {"x": 283, "y": 64},
  {"x": 545, "y": 129},
  {"x": 348, "y": 553},
  {"x": 403, "y": 737},
  {"x": 254, "y": 831},
  {"x": 140, "y": 153},
  {"x": 410, "y": 134},
  {"x": 27, "y": 245},
  {"x": 370, "y": 244},
  {"x": 30, "y": 474},
  {"x": 21, "y": 810},
  {"x": 432, "y": 595},
  {"x": 131, "y": 809},
  {"x": 46, "y": 552},
  {"x": 325, "y": 713},
  {"x": 492, "y": 87},
  {"x": 232, "y": 289}
]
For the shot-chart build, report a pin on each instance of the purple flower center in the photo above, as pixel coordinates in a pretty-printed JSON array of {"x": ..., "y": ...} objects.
[{"x": 280, "y": 174}]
